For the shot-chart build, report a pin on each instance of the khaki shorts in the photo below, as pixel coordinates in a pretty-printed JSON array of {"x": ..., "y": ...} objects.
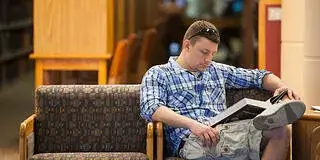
[{"x": 237, "y": 140}]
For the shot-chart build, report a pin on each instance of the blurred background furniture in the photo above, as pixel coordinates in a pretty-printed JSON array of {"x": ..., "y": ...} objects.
[
  {"x": 69, "y": 36},
  {"x": 86, "y": 121},
  {"x": 119, "y": 61},
  {"x": 15, "y": 40},
  {"x": 306, "y": 136},
  {"x": 147, "y": 53},
  {"x": 233, "y": 96}
]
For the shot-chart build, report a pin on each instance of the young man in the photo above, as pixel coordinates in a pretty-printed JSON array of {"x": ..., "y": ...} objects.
[{"x": 189, "y": 90}]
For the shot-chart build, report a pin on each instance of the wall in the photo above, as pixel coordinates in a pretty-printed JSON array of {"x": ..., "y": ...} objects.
[{"x": 300, "y": 60}]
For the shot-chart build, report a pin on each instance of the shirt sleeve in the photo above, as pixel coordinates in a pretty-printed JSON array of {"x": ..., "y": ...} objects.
[
  {"x": 152, "y": 93},
  {"x": 240, "y": 77}
]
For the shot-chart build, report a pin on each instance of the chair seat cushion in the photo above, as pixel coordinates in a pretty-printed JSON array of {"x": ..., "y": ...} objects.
[
  {"x": 173, "y": 158},
  {"x": 91, "y": 156}
]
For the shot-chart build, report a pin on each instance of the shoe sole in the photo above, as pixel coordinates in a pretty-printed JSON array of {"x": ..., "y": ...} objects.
[{"x": 287, "y": 114}]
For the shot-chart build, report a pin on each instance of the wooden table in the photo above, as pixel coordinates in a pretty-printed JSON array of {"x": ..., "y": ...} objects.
[
  {"x": 306, "y": 137},
  {"x": 70, "y": 62}
]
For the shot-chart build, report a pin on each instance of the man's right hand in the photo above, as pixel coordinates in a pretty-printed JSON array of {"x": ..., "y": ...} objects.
[{"x": 208, "y": 135}]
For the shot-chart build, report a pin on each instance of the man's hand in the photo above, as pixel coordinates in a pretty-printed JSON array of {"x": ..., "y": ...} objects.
[
  {"x": 273, "y": 83},
  {"x": 291, "y": 95},
  {"x": 208, "y": 135}
]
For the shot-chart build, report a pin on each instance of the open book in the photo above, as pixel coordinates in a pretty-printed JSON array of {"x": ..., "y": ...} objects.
[{"x": 244, "y": 109}]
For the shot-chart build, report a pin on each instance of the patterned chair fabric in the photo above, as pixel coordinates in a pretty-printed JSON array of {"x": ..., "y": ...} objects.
[
  {"x": 232, "y": 97},
  {"x": 173, "y": 158},
  {"x": 89, "y": 118},
  {"x": 91, "y": 156}
]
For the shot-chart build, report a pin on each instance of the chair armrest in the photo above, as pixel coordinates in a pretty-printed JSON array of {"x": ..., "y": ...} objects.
[
  {"x": 315, "y": 142},
  {"x": 159, "y": 136},
  {"x": 150, "y": 140},
  {"x": 26, "y": 129}
]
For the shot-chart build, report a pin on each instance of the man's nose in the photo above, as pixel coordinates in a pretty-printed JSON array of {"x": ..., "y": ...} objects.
[{"x": 208, "y": 59}]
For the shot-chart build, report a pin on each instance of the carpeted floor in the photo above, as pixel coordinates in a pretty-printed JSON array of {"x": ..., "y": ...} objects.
[{"x": 16, "y": 104}]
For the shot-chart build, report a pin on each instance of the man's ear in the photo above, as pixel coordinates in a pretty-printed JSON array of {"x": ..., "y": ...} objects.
[{"x": 186, "y": 44}]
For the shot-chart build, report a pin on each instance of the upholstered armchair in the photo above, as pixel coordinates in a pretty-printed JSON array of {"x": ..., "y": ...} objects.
[
  {"x": 86, "y": 122},
  {"x": 233, "y": 96}
]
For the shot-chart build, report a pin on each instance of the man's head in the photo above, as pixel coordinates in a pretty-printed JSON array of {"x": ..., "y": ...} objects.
[{"x": 200, "y": 42}]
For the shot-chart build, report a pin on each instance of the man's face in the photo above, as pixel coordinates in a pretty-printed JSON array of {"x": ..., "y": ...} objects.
[{"x": 199, "y": 56}]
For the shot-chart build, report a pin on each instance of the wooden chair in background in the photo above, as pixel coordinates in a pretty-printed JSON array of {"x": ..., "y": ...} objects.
[
  {"x": 148, "y": 43},
  {"x": 123, "y": 56},
  {"x": 132, "y": 59},
  {"x": 118, "y": 61}
]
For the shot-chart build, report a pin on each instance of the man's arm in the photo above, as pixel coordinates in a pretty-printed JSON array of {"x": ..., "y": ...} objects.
[
  {"x": 274, "y": 84},
  {"x": 271, "y": 82},
  {"x": 153, "y": 107},
  {"x": 206, "y": 133},
  {"x": 166, "y": 115}
]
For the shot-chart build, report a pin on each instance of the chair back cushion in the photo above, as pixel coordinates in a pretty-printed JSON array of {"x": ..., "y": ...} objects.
[
  {"x": 95, "y": 118},
  {"x": 234, "y": 95}
]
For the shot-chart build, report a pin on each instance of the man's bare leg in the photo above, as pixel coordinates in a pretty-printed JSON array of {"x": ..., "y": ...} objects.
[{"x": 278, "y": 144}]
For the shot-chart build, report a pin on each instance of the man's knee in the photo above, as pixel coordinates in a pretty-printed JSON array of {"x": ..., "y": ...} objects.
[{"x": 281, "y": 133}]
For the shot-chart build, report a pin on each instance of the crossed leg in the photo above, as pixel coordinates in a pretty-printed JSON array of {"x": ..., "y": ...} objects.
[{"x": 278, "y": 143}]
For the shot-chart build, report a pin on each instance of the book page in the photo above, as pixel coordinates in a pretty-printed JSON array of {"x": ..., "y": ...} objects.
[{"x": 243, "y": 109}]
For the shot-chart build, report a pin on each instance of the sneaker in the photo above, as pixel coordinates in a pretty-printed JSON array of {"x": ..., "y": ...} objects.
[{"x": 279, "y": 115}]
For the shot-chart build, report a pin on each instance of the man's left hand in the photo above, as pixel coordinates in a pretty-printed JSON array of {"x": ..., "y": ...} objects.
[{"x": 291, "y": 95}]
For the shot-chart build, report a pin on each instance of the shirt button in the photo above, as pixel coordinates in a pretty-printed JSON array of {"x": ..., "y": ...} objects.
[{"x": 226, "y": 149}]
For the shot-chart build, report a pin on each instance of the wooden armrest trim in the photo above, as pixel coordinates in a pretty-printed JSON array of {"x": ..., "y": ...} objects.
[
  {"x": 28, "y": 124},
  {"x": 150, "y": 140},
  {"x": 26, "y": 128},
  {"x": 159, "y": 135}
]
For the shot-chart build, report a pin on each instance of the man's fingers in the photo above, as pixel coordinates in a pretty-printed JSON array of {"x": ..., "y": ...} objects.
[
  {"x": 213, "y": 136},
  {"x": 207, "y": 141},
  {"x": 201, "y": 137},
  {"x": 296, "y": 97},
  {"x": 209, "y": 137},
  {"x": 290, "y": 94},
  {"x": 215, "y": 131},
  {"x": 276, "y": 92}
]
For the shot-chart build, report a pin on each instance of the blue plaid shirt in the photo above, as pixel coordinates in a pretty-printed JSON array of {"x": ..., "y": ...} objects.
[{"x": 198, "y": 97}]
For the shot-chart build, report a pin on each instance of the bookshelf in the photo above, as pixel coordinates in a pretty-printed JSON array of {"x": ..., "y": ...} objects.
[{"x": 15, "y": 39}]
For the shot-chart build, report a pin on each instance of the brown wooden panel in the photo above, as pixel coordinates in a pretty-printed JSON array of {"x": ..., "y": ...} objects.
[
  {"x": 305, "y": 137},
  {"x": 70, "y": 64},
  {"x": 70, "y": 26}
]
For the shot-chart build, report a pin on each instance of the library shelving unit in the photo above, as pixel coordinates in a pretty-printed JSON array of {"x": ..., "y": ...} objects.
[{"x": 15, "y": 39}]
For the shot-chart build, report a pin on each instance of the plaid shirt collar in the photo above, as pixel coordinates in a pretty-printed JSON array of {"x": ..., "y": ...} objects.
[{"x": 176, "y": 67}]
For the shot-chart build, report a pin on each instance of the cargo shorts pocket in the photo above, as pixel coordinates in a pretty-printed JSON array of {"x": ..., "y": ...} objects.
[
  {"x": 193, "y": 148},
  {"x": 233, "y": 140}
]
